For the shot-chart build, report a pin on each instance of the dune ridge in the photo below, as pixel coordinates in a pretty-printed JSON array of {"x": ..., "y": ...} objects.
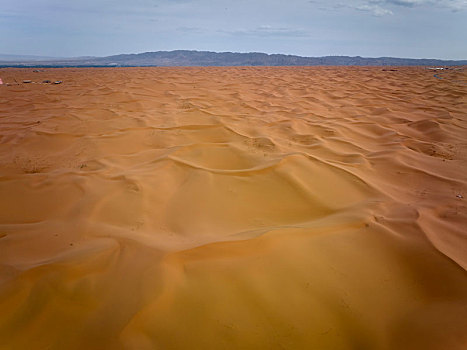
[{"x": 243, "y": 207}]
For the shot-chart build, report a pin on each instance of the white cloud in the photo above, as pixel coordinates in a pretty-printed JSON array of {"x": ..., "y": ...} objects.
[
  {"x": 447, "y": 4},
  {"x": 371, "y": 6},
  {"x": 406, "y": 3},
  {"x": 389, "y": 7},
  {"x": 375, "y": 10}
]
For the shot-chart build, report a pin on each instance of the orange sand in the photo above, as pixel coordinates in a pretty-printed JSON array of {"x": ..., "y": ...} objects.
[{"x": 233, "y": 208}]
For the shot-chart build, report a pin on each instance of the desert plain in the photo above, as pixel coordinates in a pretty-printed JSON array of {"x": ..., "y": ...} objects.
[{"x": 233, "y": 208}]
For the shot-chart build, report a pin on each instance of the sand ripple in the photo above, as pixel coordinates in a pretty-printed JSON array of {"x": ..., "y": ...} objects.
[{"x": 242, "y": 208}]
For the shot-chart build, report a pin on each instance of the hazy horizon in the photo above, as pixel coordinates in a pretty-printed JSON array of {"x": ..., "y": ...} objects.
[
  {"x": 366, "y": 28},
  {"x": 32, "y": 57}
]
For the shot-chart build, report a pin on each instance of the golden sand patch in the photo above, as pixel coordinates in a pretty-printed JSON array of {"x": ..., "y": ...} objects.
[{"x": 233, "y": 208}]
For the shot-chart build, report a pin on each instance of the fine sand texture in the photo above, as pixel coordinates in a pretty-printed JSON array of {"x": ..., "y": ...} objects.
[{"x": 233, "y": 208}]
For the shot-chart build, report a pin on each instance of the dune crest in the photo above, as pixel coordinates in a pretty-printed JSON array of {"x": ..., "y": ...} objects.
[{"x": 233, "y": 208}]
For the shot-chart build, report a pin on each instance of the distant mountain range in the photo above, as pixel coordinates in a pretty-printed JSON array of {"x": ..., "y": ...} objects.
[{"x": 207, "y": 58}]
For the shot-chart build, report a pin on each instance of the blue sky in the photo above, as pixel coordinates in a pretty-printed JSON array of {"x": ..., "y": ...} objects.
[{"x": 370, "y": 28}]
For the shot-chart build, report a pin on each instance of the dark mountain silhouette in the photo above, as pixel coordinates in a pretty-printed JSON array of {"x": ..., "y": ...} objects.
[{"x": 207, "y": 58}]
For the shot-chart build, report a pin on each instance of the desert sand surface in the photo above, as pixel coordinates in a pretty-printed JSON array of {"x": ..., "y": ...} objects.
[{"x": 233, "y": 208}]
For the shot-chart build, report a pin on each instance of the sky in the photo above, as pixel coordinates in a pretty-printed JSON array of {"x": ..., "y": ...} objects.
[{"x": 368, "y": 28}]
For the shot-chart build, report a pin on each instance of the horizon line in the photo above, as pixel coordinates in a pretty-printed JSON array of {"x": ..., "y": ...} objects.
[{"x": 47, "y": 57}]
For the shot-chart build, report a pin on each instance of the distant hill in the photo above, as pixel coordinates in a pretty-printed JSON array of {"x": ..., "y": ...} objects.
[{"x": 207, "y": 58}]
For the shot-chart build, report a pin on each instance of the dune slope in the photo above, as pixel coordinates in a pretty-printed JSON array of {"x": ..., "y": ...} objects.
[{"x": 233, "y": 208}]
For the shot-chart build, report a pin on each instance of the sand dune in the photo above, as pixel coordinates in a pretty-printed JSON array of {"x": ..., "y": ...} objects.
[{"x": 233, "y": 208}]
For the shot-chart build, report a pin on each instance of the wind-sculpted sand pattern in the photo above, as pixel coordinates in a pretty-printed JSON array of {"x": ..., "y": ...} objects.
[{"x": 233, "y": 208}]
